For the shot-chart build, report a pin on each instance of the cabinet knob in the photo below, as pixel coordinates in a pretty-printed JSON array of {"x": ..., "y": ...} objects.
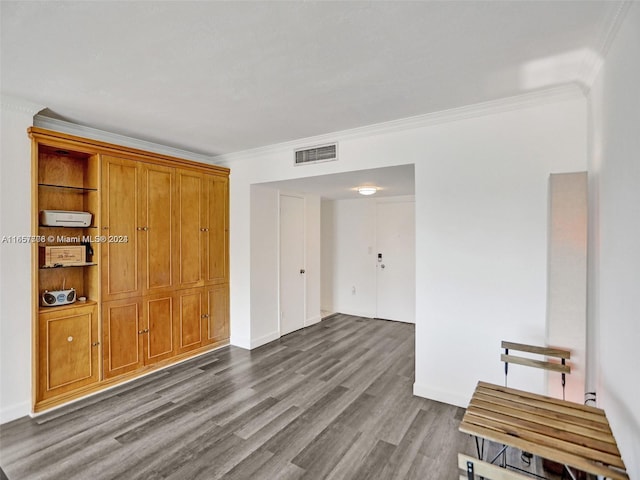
[
  {"x": 95, "y": 344},
  {"x": 69, "y": 338},
  {"x": 204, "y": 229},
  {"x": 204, "y": 315},
  {"x": 140, "y": 332}
]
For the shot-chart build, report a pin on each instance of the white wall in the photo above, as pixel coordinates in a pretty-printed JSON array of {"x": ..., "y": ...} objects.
[
  {"x": 353, "y": 283},
  {"x": 15, "y": 259},
  {"x": 327, "y": 262},
  {"x": 481, "y": 228},
  {"x": 614, "y": 307},
  {"x": 264, "y": 262},
  {"x": 349, "y": 232}
]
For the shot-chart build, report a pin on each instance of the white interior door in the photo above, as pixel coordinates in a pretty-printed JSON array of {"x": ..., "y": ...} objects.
[
  {"x": 292, "y": 277},
  {"x": 396, "y": 266}
]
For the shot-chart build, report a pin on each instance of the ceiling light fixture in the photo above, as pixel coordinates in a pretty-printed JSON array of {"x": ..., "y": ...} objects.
[{"x": 367, "y": 190}]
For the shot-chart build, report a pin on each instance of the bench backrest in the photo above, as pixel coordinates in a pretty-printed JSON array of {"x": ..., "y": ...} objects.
[{"x": 554, "y": 366}]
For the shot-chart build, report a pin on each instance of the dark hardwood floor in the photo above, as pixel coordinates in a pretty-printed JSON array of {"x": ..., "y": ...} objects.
[{"x": 333, "y": 401}]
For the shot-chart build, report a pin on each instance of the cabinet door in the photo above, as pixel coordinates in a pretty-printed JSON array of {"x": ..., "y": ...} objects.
[
  {"x": 67, "y": 350},
  {"x": 123, "y": 336},
  {"x": 158, "y": 328},
  {"x": 190, "y": 195},
  {"x": 217, "y": 313},
  {"x": 190, "y": 318},
  {"x": 120, "y": 200},
  {"x": 216, "y": 227},
  {"x": 157, "y": 227}
]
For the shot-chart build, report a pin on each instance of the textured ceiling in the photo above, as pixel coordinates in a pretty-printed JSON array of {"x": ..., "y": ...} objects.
[{"x": 220, "y": 77}]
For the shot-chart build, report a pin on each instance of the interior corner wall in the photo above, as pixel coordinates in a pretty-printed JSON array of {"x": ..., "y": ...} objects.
[
  {"x": 481, "y": 187},
  {"x": 614, "y": 235},
  {"x": 15, "y": 263},
  {"x": 353, "y": 286}
]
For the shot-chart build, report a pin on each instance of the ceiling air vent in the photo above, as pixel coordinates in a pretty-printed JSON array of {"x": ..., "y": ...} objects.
[{"x": 322, "y": 153}]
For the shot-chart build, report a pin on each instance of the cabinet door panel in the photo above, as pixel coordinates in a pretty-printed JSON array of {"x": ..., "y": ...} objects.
[
  {"x": 69, "y": 352},
  {"x": 189, "y": 320},
  {"x": 67, "y": 355},
  {"x": 159, "y": 323},
  {"x": 218, "y": 313},
  {"x": 190, "y": 191},
  {"x": 216, "y": 238},
  {"x": 122, "y": 336},
  {"x": 157, "y": 217},
  {"x": 120, "y": 272}
]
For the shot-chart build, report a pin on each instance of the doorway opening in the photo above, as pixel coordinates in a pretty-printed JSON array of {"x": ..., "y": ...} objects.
[{"x": 341, "y": 247}]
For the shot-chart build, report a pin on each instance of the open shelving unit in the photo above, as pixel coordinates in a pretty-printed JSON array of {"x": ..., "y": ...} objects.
[{"x": 68, "y": 180}]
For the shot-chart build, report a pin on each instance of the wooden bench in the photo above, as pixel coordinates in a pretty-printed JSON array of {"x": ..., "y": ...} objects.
[
  {"x": 569, "y": 433},
  {"x": 473, "y": 466}
]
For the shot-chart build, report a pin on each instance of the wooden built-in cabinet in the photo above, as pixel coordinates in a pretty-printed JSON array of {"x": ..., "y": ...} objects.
[
  {"x": 203, "y": 222},
  {"x": 156, "y": 283},
  {"x": 203, "y": 317},
  {"x": 68, "y": 350},
  {"x": 138, "y": 206}
]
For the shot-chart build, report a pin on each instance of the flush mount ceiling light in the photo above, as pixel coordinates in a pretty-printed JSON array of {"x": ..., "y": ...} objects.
[{"x": 367, "y": 190}]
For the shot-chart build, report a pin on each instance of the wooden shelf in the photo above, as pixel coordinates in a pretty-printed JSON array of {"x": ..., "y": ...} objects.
[
  {"x": 76, "y": 304},
  {"x": 87, "y": 264},
  {"x": 62, "y": 226},
  {"x": 69, "y": 188}
]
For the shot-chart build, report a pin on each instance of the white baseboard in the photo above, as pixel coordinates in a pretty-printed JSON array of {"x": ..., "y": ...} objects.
[
  {"x": 452, "y": 398},
  {"x": 270, "y": 337},
  {"x": 13, "y": 412},
  {"x": 242, "y": 342},
  {"x": 355, "y": 313},
  {"x": 312, "y": 321}
]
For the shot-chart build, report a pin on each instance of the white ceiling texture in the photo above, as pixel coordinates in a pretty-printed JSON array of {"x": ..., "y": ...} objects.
[{"x": 219, "y": 77}]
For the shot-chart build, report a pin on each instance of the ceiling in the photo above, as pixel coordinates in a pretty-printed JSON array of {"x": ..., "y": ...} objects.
[
  {"x": 220, "y": 77},
  {"x": 391, "y": 182}
]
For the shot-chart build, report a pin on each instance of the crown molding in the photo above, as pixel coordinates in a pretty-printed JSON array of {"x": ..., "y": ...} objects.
[
  {"x": 115, "y": 138},
  {"x": 593, "y": 63},
  {"x": 20, "y": 105},
  {"x": 539, "y": 97}
]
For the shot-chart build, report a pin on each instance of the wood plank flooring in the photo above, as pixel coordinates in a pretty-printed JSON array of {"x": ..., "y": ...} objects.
[{"x": 332, "y": 401}]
